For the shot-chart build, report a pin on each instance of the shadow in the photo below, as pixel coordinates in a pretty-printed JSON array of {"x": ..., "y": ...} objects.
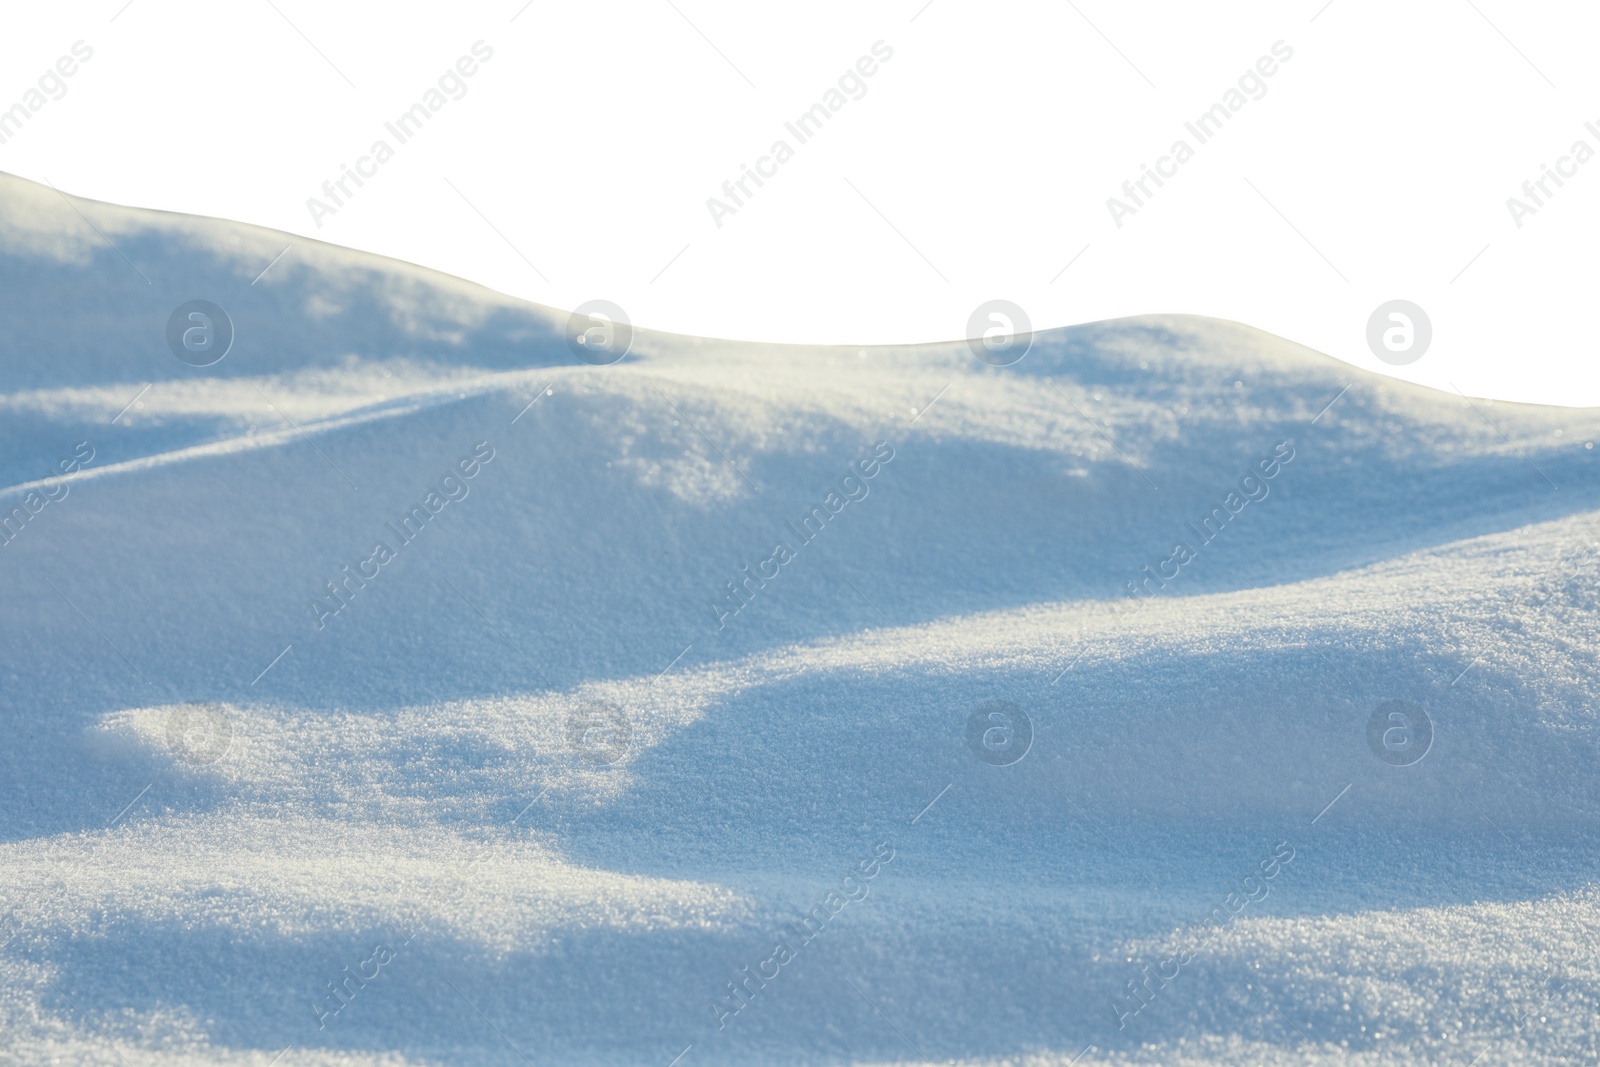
[
  {"x": 557, "y": 570},
  {"x": 595, "y": 546},
  {"x": 992, "y": 964}
]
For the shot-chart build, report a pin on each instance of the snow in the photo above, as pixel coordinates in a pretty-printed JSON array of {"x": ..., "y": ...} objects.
[{"x": 544, "y": 799}]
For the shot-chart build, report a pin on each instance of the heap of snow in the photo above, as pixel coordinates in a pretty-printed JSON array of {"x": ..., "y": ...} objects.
[{"x": 401, "y": 689}]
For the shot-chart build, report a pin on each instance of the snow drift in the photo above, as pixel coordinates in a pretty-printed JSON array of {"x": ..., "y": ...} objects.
[{"x": 402, "y": 689}]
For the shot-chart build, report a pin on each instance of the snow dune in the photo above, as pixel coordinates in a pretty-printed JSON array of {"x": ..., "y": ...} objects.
[{"x": 525, "y": 787}]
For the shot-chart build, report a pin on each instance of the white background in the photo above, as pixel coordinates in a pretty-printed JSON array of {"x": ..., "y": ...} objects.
[{"x": 977, "y": 165}]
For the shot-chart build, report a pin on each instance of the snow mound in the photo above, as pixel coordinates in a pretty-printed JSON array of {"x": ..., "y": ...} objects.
[{"x": 401, "y": 689}]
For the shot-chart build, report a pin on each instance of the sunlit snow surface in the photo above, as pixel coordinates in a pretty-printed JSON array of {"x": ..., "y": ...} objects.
[{"x": 545, "y": 795}]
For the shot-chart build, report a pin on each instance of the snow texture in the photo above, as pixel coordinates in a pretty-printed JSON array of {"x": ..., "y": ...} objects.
[{"x": 536, "y": 786}]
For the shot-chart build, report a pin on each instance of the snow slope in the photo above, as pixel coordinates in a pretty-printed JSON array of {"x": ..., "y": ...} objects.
[{"x": 535, "y": 792}]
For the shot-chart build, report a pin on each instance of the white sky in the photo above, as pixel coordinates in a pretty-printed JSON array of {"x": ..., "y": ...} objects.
[{"x": 977, "y": 165}]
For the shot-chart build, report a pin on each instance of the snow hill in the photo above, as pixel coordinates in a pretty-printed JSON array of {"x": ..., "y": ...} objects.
[{"x": 686, "y": 723}]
